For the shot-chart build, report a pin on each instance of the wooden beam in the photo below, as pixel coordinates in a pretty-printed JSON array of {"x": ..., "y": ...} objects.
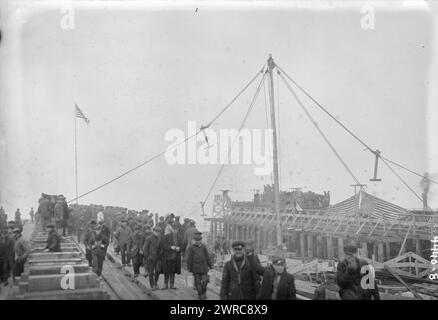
[{"x": 394, "y": 273}]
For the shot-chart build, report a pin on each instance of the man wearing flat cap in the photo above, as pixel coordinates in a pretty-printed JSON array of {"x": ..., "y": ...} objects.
[
  {"x": 53, "y": 239},
  {"x": 349, "y": 276},
  {"x": 277, "y": 283},
  {"x": 22, "y": 251},
  {"x": 136, "y": 249},
  {"x": 122, "y": 236},
  {"x": 198, "y": 263},
  {"x": 152, "y": 256},
  {"x": 239, "y": 278},
  {"x": 89, "y": 240}
]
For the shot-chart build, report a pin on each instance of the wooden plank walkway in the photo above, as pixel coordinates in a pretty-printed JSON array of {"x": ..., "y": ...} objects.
[{"x": 181, "y": 293}]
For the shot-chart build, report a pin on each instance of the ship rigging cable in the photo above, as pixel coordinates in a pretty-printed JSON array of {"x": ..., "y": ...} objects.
[
  {"x": 319, "y": 129},
  {"x": 235, "y": 139},
  {"x": 176, "y": 145},
  {"x": 346, "y": 129}
]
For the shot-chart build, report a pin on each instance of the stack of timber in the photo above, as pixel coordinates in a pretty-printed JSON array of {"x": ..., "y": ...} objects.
[{"x": 61, "y": 275}]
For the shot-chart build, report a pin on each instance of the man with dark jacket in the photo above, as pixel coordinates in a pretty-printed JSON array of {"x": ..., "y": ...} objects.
[
  {"x": 3, "y": 218},
  {"x": 44, "y": 211},
  {"x": 277, "y": 283},
  {"x": 171, "y": 257},
  {"x": 106, "y": 232},
  {"x": 65, "y": 215},
  {"x": 22, "y": 251},
  {"x": 89, "y": 239},
  {"x": 349, "y": 277},
  {"x": 53, "y": 239},
  {"x": 136, "y": 249},
  {"x": 122, "y": 236},
  {"x": 99, "y": 250},
  {"x": 6, "y": 255},
  {"x": 198, "y": 263},
  {"x": 151, "y": 256},
  {"x": 239, "y": 279}
]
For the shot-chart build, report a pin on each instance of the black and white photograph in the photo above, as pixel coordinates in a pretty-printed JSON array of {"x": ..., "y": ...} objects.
[{"x": 234, "y": 151}]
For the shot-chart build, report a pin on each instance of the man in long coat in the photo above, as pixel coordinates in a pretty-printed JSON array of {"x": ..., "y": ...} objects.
[
  {"x": 171, "y": 257},
  {"x": 152, "y": 256},
  {"x": 136, "y": 249},
  {"x": 44, "y": 211},
  {"x": 239, "y": 277}
]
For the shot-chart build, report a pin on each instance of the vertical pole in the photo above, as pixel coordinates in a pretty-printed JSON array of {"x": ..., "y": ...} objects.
[
  {"x": 76, "y": 162},
  {"x": 271, "y": 66}
]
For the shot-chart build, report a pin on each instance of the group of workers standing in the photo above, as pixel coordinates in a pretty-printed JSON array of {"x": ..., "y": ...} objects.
[
  {"x": 162, "y": 246},
  {"x": 14, "y": 249}
]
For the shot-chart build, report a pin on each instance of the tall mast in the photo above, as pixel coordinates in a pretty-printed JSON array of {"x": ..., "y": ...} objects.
[{"x": 271, "y": 66}]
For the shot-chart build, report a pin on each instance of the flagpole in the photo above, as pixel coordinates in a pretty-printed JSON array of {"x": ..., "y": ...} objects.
[{"x": 76, "y": 161}]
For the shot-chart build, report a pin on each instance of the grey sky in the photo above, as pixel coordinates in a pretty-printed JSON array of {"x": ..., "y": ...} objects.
[{"x": 137, "y": 74}]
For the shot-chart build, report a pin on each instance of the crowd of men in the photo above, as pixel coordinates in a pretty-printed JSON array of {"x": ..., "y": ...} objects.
[
  {"x": 162, "y": 245},
  {"x": 14, "y": 249}
]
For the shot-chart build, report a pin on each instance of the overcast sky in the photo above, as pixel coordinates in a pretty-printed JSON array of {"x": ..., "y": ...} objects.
[{"x": 137, "y": 74}]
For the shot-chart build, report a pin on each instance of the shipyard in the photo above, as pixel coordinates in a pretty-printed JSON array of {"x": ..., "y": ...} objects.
[{"x": 193, "y": 162}]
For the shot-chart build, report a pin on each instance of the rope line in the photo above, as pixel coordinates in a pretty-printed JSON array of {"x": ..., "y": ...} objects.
[
  {"x": 401, "y": 179},
  {"x": 351, "y": 133},
  {"x": 174, "y": 146},
  {"x": 235, "y": 139},
  {"x": 319, "y": 130}
]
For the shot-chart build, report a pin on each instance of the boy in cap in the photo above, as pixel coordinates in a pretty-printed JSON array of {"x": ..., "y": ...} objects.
[
  {"x": 239, "y": 279},
  {"x": 53, "y": 239},
  {"x": 22, "y": 251},
  {"x": 152, "y": 256},
  {"x": 198, "y": 263},
  {"x": 349, "y": 276},
  {"x": 277, "y": 283}
]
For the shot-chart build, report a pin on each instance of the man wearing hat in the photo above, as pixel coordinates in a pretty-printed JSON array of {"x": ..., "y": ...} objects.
[
  {"x": 53, "y": 239},
  {"x": 136, "y": 249},
  {"x": 239, "y": 279},
  {"x": 6, "y": 255},
  {"x": 152, "y": 256},
  {"x": 89, "y": 239},
  {"x": 44, "y": 210},
  {"x": 277, "y": 283},
  {"x": 99, "y": 249},
  {"x": 122, "y": 236},
  {"x": 3, "y": 218},
  {"x": 162, "y": 224},
  {"x": 188, "y": 236},
  {"x": 349, "y": 276},
  {"x": 22, "y": 251},
  {"x": 198, "y": 263},
  {"x": 171, "y": 257}
]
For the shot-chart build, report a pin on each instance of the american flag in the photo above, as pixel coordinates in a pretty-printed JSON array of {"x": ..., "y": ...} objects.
[{"x": 79, "y": 114}]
